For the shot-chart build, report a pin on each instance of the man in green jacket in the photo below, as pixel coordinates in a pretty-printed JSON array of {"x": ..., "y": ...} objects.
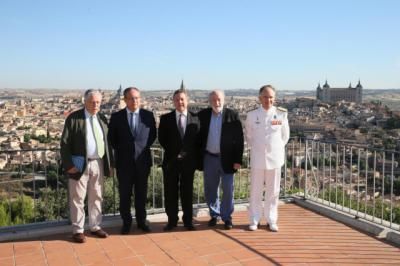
[{"x": 85, "y": 157}]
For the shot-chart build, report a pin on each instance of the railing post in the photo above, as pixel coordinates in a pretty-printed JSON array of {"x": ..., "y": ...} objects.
[
  {"x": 343, "y": 173},
  {"x": 373, "y": 192},
  {"x": 366, "y": 182},
  {"x": 391, "y": 191},
  {"x": 305, "y": 166},
  {"x": 383, "y": 186},
  {"x": 285, "y": 173}
]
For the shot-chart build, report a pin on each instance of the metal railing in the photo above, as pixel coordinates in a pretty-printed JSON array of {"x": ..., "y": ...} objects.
[
  {"x": 361, "y": 181},
  {"x": 357, "y": 180}
]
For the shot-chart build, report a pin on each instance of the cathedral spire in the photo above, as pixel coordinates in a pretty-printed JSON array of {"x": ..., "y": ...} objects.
[{"x": 182, "y": 86}]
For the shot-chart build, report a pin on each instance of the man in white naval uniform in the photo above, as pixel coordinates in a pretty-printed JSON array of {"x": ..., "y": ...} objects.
[{"x": 267, "y": 132}]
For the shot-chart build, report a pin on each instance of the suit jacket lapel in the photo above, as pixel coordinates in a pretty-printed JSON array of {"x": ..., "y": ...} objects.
[
  {"x": 83, "y": 121},
  {"x": 139, "y": 123},
  {"x": 224, "y": 116},
  {"x": 208, "y": 120}
]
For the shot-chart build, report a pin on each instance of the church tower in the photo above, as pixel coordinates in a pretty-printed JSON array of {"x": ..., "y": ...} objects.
[{"x": 359, "y": 89}]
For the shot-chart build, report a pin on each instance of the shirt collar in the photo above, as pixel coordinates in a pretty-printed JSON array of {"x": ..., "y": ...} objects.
[
  {"x": 135, "y": 112},
  {"x": 184, "y": 113},
  {"x": 217, "y": 114},
  {"x": 269, "y": 111},
  {"x": 88, "y": 115}
]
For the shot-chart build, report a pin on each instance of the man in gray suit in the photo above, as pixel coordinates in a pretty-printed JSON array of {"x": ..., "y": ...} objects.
[{"x": 86, "y": 159}]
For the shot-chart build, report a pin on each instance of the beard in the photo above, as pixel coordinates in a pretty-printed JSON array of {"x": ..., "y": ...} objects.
[{"x": 217, "y": 109}]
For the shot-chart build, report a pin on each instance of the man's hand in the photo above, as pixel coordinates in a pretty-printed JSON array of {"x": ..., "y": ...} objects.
[
  {"x": 112, "y": 171},
  {"x": 236, "y": 166}
]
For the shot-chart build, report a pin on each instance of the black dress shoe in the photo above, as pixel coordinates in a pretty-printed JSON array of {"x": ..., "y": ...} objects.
[
  {"x": 169, "y": 227},
  {"x": 126, "y": 228},
  {"x": 190, "y": 227},
  {"x": 228, "y": 225},
  {"x": 213, "y": 221},
  {"x": 144, "y": 227}
]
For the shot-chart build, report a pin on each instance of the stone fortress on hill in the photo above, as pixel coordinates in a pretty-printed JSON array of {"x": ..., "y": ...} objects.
[{"x": 331, "y": 95}]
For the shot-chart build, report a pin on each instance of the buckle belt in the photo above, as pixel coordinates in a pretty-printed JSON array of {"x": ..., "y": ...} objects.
[{"x": 213, "y": 154}]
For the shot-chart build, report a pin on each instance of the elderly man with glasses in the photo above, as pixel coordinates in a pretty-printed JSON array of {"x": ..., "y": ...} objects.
[{"x": 85, "y": 157}]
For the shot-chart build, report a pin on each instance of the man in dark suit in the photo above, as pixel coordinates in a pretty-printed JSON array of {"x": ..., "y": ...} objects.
[
  {"x": 86, "y": 159},
  {"x": 131, "y": 133},
  {"x": 222, "y": 145},
  {"x": 178, "y": 135}
]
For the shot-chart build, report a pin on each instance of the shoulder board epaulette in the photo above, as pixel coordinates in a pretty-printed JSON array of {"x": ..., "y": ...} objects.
[{"x": 281, "y": 109}]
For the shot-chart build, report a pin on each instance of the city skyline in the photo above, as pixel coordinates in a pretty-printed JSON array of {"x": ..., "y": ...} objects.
[{"x": 225, "y": 44}]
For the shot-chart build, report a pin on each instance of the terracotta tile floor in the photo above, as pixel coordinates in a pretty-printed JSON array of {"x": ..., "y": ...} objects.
[{"x": 305, "y": 238}]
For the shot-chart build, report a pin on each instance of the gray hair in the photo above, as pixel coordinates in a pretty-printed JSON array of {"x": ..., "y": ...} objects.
[
  {"x": 91, "y": 92},
  {"x": 265, "y": 87},
  {"x": 215, "y": 92}
]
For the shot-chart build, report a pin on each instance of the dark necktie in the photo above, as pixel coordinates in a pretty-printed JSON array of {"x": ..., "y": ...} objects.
[
  {"x": 180, "y": 126},
  {"x": 133, "y": 124}
]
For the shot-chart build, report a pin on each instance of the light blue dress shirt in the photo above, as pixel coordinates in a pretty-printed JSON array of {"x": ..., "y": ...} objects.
[{"x": 214, "y": 133}]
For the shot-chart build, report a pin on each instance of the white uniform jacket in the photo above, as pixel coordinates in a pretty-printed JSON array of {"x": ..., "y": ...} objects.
[{"x": 267, "y": 133}]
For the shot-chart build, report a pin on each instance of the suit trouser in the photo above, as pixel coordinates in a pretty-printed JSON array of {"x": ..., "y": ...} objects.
[
  {"x": 91, "y": 183},
  {"x": 135, "y": 180},
  {"x": 213, "y": 175},
  {"x": 178, "y": 179},
  {"x": 270, "y": 180}
]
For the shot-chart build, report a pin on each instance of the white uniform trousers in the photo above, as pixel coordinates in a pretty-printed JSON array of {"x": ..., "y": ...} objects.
[
  {"x": 270, "y": 180},
  {"x": 91, "y": 183}
]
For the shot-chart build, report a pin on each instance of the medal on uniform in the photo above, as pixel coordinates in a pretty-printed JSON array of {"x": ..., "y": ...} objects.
[{"x": 276, "y": 122}]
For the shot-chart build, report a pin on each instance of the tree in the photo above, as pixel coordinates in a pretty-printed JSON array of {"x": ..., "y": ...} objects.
[
  {"x": 52, "y": 204},
  {"x": 27, "y": 137},
  {"x": 4, "y": 213},
  {"x": 22, "y": 210}
]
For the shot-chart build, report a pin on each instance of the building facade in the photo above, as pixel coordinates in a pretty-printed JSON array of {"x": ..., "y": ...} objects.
[{"x": 331, "y": 95}]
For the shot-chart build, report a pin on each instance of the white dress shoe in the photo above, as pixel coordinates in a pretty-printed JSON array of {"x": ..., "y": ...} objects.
[
  {"x": 273, "y": 227},
  {"x": 253, "y": 227}
]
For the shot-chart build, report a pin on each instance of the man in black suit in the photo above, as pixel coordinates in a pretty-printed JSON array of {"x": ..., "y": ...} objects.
[
  {"x": 222, "y": 146},
  {"x": 86, "y": 157},
  {"x": 131, "y": 133},
  {"x": 178, "y": 135}
]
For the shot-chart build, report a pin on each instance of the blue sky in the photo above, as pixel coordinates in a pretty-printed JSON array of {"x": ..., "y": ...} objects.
[{"x": 210, "y": 44}]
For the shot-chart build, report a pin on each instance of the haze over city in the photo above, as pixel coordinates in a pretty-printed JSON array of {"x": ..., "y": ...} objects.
[{"x": 210, "y": 44}]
